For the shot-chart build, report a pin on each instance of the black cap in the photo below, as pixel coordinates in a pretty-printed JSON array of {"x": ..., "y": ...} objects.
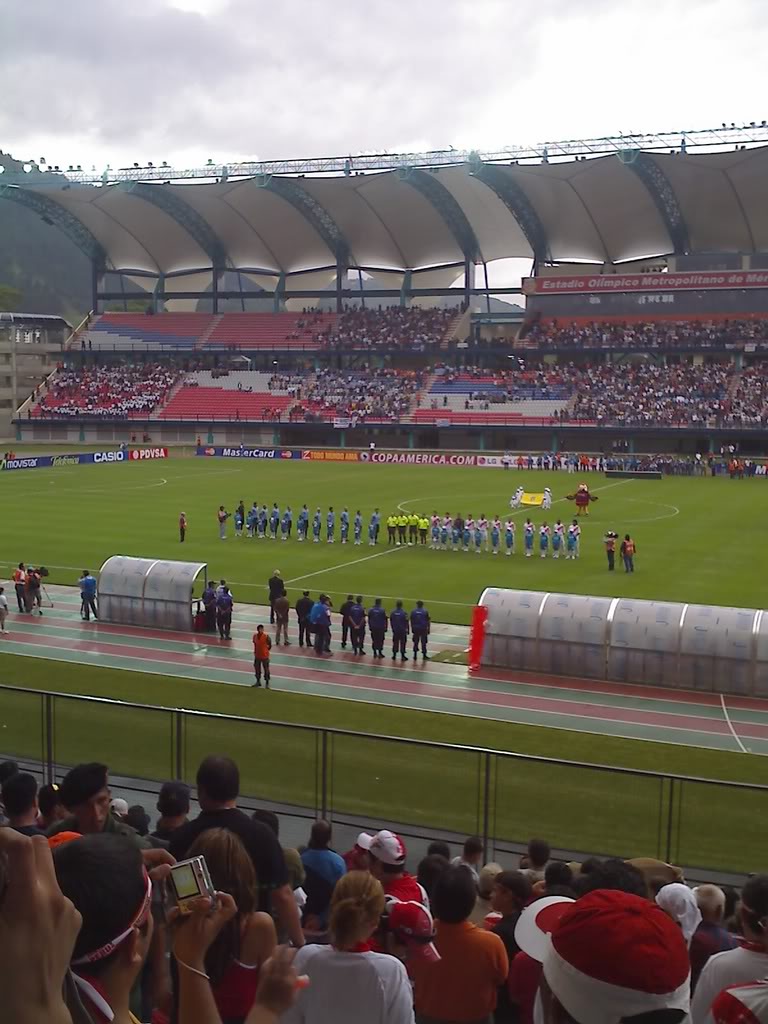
[
  {"x": 83, "y": 782},
  {"x": 48, "y": 797}
]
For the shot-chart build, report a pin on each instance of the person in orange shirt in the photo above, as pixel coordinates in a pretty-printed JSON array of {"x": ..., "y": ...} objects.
[
  {"x": 262, "y": 645},
  {"x": 463, "y": 985}
]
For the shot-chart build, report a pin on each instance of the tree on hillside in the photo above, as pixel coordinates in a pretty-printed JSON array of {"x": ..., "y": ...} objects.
[{"x": 10, "y": 299}]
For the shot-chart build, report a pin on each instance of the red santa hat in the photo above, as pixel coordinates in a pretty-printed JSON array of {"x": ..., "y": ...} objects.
[{"x": 614, "y": 955}]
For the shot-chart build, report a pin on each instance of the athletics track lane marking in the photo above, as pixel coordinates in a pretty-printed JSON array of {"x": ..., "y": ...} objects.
[{"x": 729, "y": 723}]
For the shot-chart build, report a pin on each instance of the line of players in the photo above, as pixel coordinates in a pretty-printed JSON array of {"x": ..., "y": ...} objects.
[
  {"x": 455, "y": 533},
  {"x": 263, "y": 524}
]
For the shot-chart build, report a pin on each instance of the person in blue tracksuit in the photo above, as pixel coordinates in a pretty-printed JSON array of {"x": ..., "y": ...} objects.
[
  {"x": 373, "y": 530},
  {"x": 420, "y": 627},
  {"x": 274, "y": 521},
  {"x": 330, "y": 525},
  {"x": 344, "y": 521},
  {"x": 356, "y": 617},
  {"x": 320, "y": 619},
  {"x": 303, "y": 523},
  {"x": 377, "y": 624},
  {"x": 398, "y": 622}
]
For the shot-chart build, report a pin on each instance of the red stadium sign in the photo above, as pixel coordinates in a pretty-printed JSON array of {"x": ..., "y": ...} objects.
[
  {"x": 149, "y": 453},
  {"x": 603, "y": 283}
]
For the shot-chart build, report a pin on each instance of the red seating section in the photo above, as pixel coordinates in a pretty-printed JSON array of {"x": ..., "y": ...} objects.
[
  {"x": 270, "y": 330},
  {"x": 224, "y": 404}
]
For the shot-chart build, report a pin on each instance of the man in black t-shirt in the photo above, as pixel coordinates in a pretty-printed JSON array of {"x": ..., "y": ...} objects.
[{"x": 218, "y": 786}]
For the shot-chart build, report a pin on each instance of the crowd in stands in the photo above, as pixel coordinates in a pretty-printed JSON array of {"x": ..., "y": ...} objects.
[
  {"x": 750, "y": 400},
  {"x": 639, "y": 395},
  {"x": 108, "y": 391},
  {"x": 653, "y": 334},
  {"x": 382, "y": 394},
  {"x": 401, "y": 327},
  {"x": 89, "y": 933}
]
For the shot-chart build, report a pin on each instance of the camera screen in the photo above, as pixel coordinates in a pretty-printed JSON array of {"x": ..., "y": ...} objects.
[{"x": 185, "y": 882}]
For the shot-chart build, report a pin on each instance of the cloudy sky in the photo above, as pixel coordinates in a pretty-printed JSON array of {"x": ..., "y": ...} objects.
[{"x": 109, "y": 81}]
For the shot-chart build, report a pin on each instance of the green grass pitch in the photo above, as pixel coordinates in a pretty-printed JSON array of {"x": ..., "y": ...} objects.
[{"x": 698, "y": 540}]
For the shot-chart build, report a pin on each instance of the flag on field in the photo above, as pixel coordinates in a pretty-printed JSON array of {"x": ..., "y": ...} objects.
[{"x": 532, "y": 499}]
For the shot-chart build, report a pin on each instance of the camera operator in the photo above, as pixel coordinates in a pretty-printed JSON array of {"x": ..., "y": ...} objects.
[{"x": 33, "y": 590}]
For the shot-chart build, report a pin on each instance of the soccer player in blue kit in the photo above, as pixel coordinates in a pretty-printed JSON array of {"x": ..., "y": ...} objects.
[
  {"x": 344, "y": 519},
  {"x": 358, "y": 527},
  {"x": 274, "y": 522},
  {"x": 262, "y": 522},
  {"x": 302, "y": 524},
  {"x": 330, "y": 525},
  {"x": 373, "y": 529},
  {"x": 317, "y": 521}
]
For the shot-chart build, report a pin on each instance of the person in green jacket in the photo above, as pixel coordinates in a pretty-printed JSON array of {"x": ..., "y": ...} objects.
[{"x": 85, "y": 794}]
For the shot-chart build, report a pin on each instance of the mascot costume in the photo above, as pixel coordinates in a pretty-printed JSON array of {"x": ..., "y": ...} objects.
[{"x": 583, "y": 498}]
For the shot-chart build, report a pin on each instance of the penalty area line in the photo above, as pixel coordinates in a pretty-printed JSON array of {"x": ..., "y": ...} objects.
[{"x": 343, "y": 565}]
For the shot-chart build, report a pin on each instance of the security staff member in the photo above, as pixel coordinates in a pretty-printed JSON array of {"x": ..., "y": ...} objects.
[
  {"x": 398, "y": 620},
  {"x": 344, "y": 613},
  {"x": 423, "y": 529},
  {"x": 357, "y": 625},
  {"x": 377, "y": 623},
  {"x": 391, "y": 530},
  {"x": 420, "y": 627},
  {"x": 303, "y": 608},
  {"x": 402, "y": 526},
  {"x": 413, "y": 528}
]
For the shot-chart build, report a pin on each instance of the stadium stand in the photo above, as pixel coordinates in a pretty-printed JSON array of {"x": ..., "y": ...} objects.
[
  {"x": 120, "y": 331},
  {"x": 642, "y": 334},
  {"x": 363, "y": 395},
  {"x": 470, "y": 959},
  {"x": 397, "y": 327},
  {"x": 269, "y": 330},
  {"x": 110, "y": 392}
]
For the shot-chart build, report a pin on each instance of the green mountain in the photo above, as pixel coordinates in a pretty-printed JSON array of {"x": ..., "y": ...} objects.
[{"x": 38, "y": 261}]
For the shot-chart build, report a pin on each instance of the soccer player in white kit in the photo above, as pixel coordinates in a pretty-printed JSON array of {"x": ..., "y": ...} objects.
[
  {"x": 482, "y": 525},
  {"x": 575, "y": 529},
  {"x": 509, "y": 536},
  {"x": 558, "y": 539}
]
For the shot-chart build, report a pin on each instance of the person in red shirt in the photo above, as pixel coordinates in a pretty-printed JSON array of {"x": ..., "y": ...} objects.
[
  {"x": 262, "y": 644},
  {"x": 387, "y": 853}
]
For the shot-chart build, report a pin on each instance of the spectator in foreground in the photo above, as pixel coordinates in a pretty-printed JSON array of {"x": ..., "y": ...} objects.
[
  {"x": 248, "y": 940},
  {"x": 323, "y": 868},
  {"x": 104, "y": 877},
  {"x": 741, "y": 965},
  {"x": 388, "y": 854},
  {"x": 218, "y": 786},
  {"x": 439, "y": 847},
  {"x": 349, "y": 984},
  {"x": 51, "y": 808},
  {"x": 517, "y": 1000},
  {"x": 534, "y": 862},
  {"x": 710, "y": 937},
  {"x": 357, "y": 859},
  {"x": 463, "y": 984},
  {"x": 612, "y": 957},
  {"x": 558, "y": 879},
  {"x": 173, "y": 806},
  {"x": 296, "y": 874},
  {"x": 20, "y": 801},
  {"x": 85, "y": 794},
  {"x": 471, "y": 856}
]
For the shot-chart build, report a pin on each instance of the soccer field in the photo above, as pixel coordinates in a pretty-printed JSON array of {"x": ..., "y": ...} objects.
[{"x": 698, "y": 540}]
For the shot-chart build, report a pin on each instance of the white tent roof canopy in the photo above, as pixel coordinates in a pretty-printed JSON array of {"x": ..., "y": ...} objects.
[{"x": 606, "y": 209}]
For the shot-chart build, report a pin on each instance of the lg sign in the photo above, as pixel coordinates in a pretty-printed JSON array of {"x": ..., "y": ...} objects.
[{"x": 149, "y": 453}]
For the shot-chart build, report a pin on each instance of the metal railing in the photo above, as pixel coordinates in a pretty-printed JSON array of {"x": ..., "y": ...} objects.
[{"x": 504, "y": 797}]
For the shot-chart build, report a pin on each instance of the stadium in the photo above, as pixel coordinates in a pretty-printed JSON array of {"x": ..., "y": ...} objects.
[{"x": 322, "y": 335}]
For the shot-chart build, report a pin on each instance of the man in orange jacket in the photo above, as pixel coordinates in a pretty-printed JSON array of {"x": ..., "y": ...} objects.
[{"x": 262, "y": 644}]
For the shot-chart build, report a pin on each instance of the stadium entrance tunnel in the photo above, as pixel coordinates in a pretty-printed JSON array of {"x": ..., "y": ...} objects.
[
  {"x": 679, "y": 646},
  {"x": 149, "y": 592}
]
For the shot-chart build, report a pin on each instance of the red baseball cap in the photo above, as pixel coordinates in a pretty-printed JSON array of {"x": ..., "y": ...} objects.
[{"x": 412, "y": 925}]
